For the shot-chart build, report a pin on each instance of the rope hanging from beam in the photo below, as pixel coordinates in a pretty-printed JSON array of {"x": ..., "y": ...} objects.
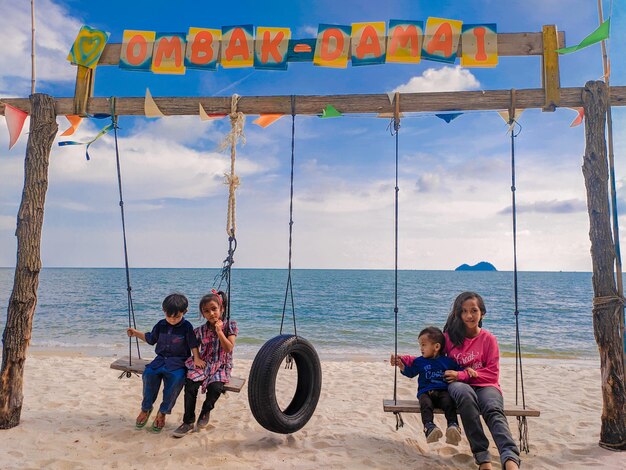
[{"x": 237, "y": 123}]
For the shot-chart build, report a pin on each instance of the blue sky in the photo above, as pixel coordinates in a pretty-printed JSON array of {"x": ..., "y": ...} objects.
[{"x": 454, "y": 178}]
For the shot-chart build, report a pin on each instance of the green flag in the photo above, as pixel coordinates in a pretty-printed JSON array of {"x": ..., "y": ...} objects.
[
  {"x": 598, "y": 35},
  {"x": 330, "y": 111}
]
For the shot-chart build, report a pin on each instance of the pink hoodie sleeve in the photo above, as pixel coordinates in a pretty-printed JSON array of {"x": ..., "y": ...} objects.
[{"x": 407, "y": 359}]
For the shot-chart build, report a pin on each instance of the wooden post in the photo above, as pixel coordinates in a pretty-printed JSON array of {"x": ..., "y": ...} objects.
[
  {"x": 551, "y": 80},
  {"x": 607, "y": 305},
  {"x": 18, "y": 328},
  {"x": 83, "y": 89}
]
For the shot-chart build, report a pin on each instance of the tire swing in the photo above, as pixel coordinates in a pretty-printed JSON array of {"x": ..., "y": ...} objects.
[{"x": 285, "y": 347}]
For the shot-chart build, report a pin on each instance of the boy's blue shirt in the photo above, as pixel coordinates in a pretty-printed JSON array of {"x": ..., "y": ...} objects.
[
  {"x": 173, "y": 344},
  {"x": 430, "y": 372}
]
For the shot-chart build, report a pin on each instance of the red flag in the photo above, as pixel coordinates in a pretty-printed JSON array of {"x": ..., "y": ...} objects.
[{"x": 15, "y": 121}]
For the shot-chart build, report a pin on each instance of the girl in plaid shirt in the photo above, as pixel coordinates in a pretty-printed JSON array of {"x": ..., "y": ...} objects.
[{"x": 216, "y": 343}]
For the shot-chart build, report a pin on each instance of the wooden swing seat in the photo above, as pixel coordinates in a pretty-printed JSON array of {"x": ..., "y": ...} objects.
[
  {"x": 413, "y": 406},
  {"x": 138, "y": 365}
]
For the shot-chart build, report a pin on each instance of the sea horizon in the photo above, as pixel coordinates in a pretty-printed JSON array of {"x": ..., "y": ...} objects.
[{"x": 341, "y": 311}]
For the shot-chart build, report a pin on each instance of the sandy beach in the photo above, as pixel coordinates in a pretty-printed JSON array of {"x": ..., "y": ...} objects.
[{"x": 77, "y": 414}]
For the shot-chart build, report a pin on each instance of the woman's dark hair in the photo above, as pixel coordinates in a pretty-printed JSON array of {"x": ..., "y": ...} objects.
[
  {"x": 174, "y": 303},
  {"x": 435, "y": 335},
  {"x": 454, "y": 324}
]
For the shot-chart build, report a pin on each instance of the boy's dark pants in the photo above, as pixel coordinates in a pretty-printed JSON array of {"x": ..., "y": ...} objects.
[
  {"x": 431, "y": 400},
  {"x": 213, "y": 392}
]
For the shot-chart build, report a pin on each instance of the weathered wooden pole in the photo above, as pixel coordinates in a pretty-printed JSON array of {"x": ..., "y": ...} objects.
[
  {"x": 607, "y": 305},
  {"x": 23, "y": 300}
]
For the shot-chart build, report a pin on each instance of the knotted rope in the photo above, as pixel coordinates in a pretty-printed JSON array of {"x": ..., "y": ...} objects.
[{"x": 237, "y": 122}]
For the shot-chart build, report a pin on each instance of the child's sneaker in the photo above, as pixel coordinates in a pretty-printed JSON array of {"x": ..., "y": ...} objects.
[
  {"x": 432, "y": 432},
  {"x": 183, "y": 430},
  {"x": 453, "y": 434},
  {"x": 203, "y": 420}
]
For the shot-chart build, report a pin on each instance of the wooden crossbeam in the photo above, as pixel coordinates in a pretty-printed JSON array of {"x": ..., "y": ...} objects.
[
  {"x": 413, "y": 406},
  {"x": 138, "y": 365},
  {"x": 346, "y": 104}
]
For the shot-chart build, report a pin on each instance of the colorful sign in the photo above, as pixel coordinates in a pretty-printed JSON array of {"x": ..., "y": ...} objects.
[
  {"x": 368, "y": 43},
  {"x": 272, "y": 48},
  {"x": 441, "y": 40},
  {"x": 237, "y": 46},
  {"x": 169, "y": 53},
  {"x": 137, "y": 49},
  {"x": 88, "y": 47},
  {"x": 404, "y": 41},
  {"x": 332, "y": 46},
  {"x": 480, "y": 45}
]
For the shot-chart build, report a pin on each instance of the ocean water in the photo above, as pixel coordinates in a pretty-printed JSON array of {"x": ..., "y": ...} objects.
[{"x": 344, "y": 313}]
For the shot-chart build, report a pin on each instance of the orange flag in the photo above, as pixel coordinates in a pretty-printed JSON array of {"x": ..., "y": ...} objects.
[
  {"x": 74, "y": 123},
  {"x": 265, "y": 120}
]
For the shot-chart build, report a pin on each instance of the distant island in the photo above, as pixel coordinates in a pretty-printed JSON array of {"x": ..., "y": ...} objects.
[{"x": 482, "y": 266}]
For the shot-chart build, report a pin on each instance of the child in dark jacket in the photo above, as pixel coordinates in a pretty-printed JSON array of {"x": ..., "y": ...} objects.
[
  {"x": 175, "y": 342},
  {"x": 432, "y": 389}
]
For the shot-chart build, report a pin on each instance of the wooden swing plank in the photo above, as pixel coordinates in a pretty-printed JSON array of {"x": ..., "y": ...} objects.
[
  {"x": 138, "y": 365},
  {"x": 413, "y": 406}
]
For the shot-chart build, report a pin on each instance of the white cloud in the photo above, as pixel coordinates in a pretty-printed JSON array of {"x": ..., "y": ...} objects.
[
  {"x": 443, "y": 79},
  {"x": 308, "y": 32},
  {"x": 55, "y": 30}
]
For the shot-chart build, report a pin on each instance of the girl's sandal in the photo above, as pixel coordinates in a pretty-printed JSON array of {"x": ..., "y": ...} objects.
[
  {"x": 158, "y": 424},
  {"x": 142, "y": 419}
]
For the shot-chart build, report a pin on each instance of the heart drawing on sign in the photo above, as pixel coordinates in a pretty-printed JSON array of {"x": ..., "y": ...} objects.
[{"x": 88, "y": 46}]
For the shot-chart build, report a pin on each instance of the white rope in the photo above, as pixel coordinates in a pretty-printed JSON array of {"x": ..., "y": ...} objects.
[{"x": 237, "y": 122}]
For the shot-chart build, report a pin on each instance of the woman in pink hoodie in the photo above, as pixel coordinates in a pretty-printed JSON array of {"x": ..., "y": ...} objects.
[{"x": 471, "y": 346}]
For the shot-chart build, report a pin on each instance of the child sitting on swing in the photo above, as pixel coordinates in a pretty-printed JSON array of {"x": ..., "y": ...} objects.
[
  {"x": 216, "y": 343},
  {"x": 175, "y": 342},
  {"x": 432, "y": 390}
]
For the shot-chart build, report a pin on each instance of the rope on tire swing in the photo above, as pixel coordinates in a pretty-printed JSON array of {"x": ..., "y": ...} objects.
[{"x": 290, "y": 348}]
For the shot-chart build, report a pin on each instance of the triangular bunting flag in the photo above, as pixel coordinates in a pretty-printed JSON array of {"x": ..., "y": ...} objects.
[
  {"x": 74, "y": 123},
  {"x": 265, "y": 120},
  {"x": 330, "y": 111},
  {"x": 505, "y": 116},
  {"x": 448, "y": 117},
  {"x": 579, "y": 119},
  {"x": 209, "y": 117},
  {"x": 390, "y": 95},
  {"x": 150, "y": 107},
  {"x": 15, "y": 122},
  {"x": 600, "y": 34}
]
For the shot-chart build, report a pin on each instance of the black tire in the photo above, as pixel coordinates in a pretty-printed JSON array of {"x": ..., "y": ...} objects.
[{"x": 262, "y": 384}]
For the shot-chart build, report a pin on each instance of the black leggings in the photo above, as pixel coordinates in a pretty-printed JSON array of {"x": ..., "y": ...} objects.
[
  {"x": 428, "y": 402},
  {"x": 213, "y": 392}
]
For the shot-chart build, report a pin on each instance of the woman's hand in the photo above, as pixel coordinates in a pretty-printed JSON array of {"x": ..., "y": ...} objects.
[
  {"x": 450, "y": 376},
  {"x": 472, "y": 373},
  {"x": 131, "y": 332},
  {"x": 199, "y": 363}
]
